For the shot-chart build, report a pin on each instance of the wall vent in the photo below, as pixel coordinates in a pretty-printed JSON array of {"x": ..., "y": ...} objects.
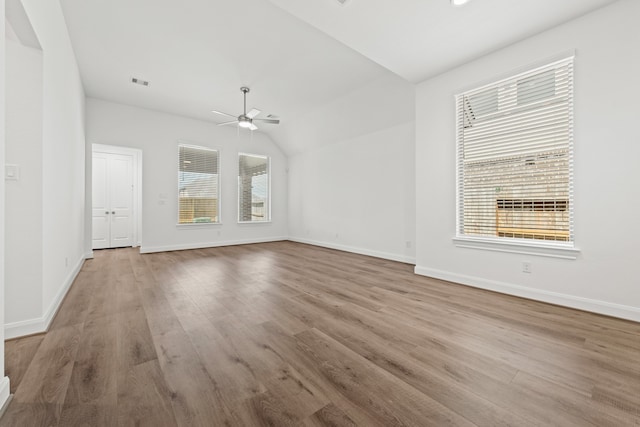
[{"x": 139, "y": 81}]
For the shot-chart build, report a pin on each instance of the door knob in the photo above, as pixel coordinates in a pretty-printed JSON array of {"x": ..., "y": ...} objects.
[
  {"x": 113, "y": 212},
  {"x": 107, "y": 212}
]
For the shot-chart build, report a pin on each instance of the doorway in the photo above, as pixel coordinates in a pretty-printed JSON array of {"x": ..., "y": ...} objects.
[{"x": 116, "y": 196}]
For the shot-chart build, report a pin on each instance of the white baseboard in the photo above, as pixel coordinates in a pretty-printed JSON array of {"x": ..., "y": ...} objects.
[
  {"x": 356, "y": 250},
  {"x": 88, "y": 255},
  {"x": 580, "y": 303},
  {"x": 203, "y": 245},
  {"x": 41, "y": 324},
  {"x": 5, "y": 390}
]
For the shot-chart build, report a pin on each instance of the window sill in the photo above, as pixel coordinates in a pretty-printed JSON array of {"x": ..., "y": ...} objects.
[
  {"x": 253, "y": 222},
  {"x": 525, "y": 247},
  {"x": 198, "y": 225}
]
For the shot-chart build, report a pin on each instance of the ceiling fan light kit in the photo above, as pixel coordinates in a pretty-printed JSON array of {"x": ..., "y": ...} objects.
[
  {"x": 459, "y": 2},
  {"x": 245, "y": 120}
]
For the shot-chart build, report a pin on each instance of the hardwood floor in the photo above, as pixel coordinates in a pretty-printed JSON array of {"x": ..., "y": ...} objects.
[{"x": 285, "y": 334}]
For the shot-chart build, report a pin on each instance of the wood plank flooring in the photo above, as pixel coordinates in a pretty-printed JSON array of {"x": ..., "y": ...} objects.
[{"x": 285, "y": 334}]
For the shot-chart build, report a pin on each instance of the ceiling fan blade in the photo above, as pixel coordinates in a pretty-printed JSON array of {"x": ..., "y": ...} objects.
[
  {"x": 254, "y": 112},
  {"x": 272, "y": 121},
  {"x": 228, "y": 123},
  {"x": 253, "y": 127},
  {"x": 223, "y": 114}
]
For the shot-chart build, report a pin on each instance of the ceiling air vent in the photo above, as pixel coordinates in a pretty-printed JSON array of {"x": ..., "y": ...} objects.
[{"x": 139, "y": 81}]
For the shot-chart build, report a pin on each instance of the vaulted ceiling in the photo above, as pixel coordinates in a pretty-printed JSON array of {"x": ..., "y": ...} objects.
[
  {"x": 297, "y": 56},
  {"x": 418, "y": 39}
]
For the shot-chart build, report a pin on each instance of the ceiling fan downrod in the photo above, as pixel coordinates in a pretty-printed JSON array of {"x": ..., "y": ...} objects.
[{"x": 245, "y": 90}]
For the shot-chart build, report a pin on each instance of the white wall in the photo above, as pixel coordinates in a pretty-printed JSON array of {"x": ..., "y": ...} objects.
[
  {"x": 352, "y": 182},
  {"x": 63, "y": 153},
  {"x": 62, "y": 174},
  {"x": 157, "y": 135},
  {"x": 607, "y": 149},
  {"x": 386, "y": 102},
  {"x": 23, "y": 133},
  {"x": 4, "y": 381},
  {"x": 357, "y": 195}
]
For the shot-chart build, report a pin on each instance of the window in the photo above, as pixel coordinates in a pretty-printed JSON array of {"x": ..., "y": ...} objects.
[
  {"x": 198, "y": 185},
  {"x": 253, "y": 188},
  {"x": 515, "y": 157}
]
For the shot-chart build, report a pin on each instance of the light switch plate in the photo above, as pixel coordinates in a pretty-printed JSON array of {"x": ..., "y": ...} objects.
[{"x": 11, "y": 172}]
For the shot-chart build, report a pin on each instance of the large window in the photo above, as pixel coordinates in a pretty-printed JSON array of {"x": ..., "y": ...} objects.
[
  {"x": 515, "y": 148},
  {"x": 253, "y": 188},
  {"x": 198, "y": 185}
]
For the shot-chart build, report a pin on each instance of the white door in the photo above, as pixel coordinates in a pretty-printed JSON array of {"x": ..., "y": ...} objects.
[
  {"x": 112, "y": 200},
  {"x": 101, "y": 208}
]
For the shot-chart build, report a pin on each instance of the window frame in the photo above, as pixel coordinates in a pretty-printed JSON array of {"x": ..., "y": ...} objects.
[
  {"x": 195, "y": 145},
  {"x": 268, "y": 199},
  {"x": 527, "y": 246}
]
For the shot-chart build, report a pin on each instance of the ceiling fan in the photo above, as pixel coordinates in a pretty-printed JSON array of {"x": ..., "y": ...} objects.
[{"x": 245, "y": 120}]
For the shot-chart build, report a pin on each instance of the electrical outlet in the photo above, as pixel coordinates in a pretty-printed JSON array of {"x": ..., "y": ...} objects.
[
  {"x": 526, "y": 267},
  {"x": 66, "y": 262},
  {"x": 408, "y": 244}
]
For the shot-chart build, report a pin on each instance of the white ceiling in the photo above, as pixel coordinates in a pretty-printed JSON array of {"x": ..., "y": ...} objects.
[
  {"x": 297, "y": 56},
  {"x": 198, "y": 53},
  {"x": 418, "y": 39}
]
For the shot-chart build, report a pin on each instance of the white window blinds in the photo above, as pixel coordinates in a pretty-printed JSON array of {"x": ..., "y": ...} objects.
[
  {"x": 253, "y": 188},
  {"x": 515, "y": 156},
  {"x": 198, "y": 185}
]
